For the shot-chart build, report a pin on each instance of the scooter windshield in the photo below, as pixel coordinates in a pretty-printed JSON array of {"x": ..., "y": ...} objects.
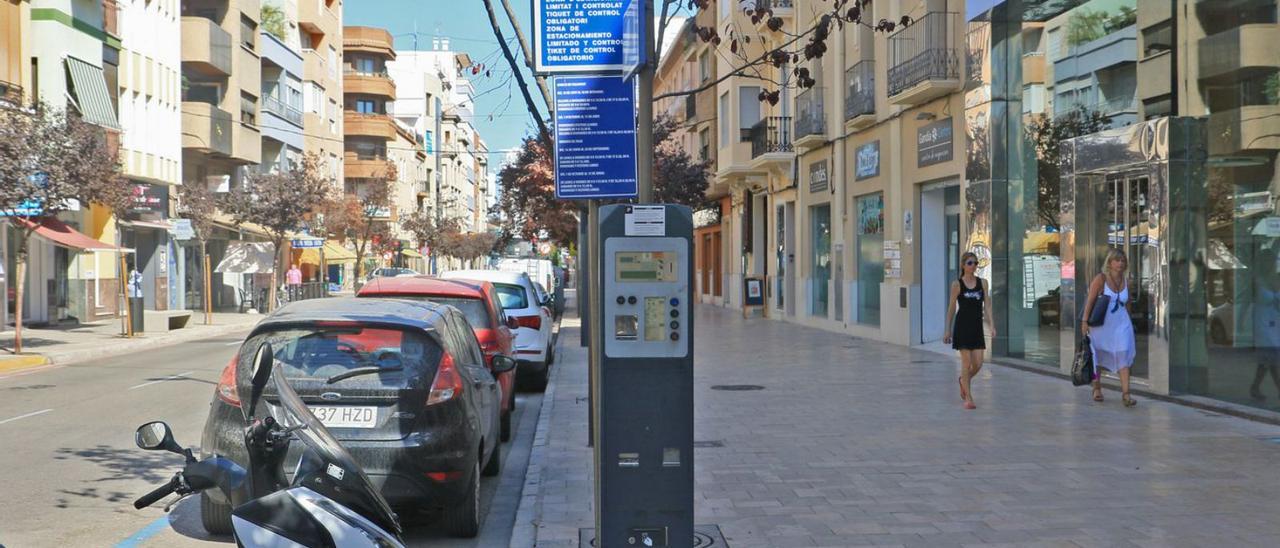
[{"x": 340, "y": 467}]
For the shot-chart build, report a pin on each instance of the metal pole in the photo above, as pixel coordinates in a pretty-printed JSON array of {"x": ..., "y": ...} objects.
[
  {"x": 438, "y": 141},
  {"x": 644, "y": 112},
  {"x": 594, "y": 332}
]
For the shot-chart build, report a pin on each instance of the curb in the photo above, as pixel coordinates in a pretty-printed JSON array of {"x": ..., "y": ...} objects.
[
  {"x": 524, "y": 533},
  {"x": 13, "y": 364},
  {"x": 122, "y": 347}
]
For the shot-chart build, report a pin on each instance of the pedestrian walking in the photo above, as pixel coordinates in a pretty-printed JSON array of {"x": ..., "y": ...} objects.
[
  {"x": 1112, "y": 339},
  {"x": 969, "y": 308},
  {"x": 294, "y": 280},
  {"x": 1266, "y": 325}
]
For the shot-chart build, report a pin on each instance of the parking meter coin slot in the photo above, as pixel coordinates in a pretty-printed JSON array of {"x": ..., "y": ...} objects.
[{"x": 626, "y": 327}]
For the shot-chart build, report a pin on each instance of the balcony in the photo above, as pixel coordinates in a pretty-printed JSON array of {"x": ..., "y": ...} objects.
[
  {"x": 206, "y": 128},
  {"x": 771, "y": 141},
  {"x": 206, "y": 48},
  {"x": 368, "y": 83},
  {"x": 1248, "y": 128},
  {"x": 780, "y": 8},
  {"x": 247, "y": 144},
  {"x": 365, "y": 167},
  {"x": 860, "y": 95},
  {"x": 368, "y": 40},
  {"x": 1244, "y": 49},
  {"x": 924, "y": 63},
  {"x": 811, "y": 119},
  {"x": 274, "y": 105},
  {"x": 1033, "y": 68},
  {"x": 1115, "y": 49},
  {"x": 369, "y": 125}
]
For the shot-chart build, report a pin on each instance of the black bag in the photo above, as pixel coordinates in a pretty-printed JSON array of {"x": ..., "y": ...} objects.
[
  {"x": 1098, "y": 315},
  {"x": 1082, "y": 367}
]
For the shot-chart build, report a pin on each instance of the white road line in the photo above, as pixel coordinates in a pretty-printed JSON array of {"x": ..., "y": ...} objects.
[
  {"x": 20, "y": 417},
  {"x": 169, "y": 378},
  {"x": 26, "y": 372},
  {"x": 233, "y": 343}
]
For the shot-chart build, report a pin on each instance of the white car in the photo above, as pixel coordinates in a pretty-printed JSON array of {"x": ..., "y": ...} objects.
[
  {"x": 535, "y": 349},
  {"x": 392, "y": 272}
]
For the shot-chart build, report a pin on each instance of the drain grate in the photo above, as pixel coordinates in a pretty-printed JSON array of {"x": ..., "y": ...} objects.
[
  {"x": 737, "y": 387},
  {"x": 704, "y": 444},
  {"x": 704, "y": 536}
]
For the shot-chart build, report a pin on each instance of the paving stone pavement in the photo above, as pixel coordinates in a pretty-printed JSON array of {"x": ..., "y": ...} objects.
[{"x": 861, "y": 443}]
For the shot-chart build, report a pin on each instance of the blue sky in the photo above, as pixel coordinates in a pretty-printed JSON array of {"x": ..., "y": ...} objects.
[{"x": 466, "y": 25}]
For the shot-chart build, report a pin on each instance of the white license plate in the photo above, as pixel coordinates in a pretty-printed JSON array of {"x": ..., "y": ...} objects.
[{"x": 346, "y": 416}]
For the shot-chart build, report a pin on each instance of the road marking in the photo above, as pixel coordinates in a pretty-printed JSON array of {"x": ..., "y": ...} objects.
[
  {"x": 233, "y": 343},
  {"x": 151, "y": 530},
  {"x": 20, "y": 417},
  {"x": 169, "y": 378},
  {"x": 26, "y": 372}
]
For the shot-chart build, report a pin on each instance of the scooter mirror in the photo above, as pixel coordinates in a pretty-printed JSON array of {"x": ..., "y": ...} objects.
[
  {"x": 155, "y": 436},
  {"x": 262, "y": 364}
]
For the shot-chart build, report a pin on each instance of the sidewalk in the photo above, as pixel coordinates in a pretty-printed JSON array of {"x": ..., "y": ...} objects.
[
  {"x": 855, "y": 443},
  {"x": 62, "y": 345}
]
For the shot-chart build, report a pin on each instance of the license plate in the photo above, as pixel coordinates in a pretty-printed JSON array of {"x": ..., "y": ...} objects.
[{"x": 346, "y": 416}]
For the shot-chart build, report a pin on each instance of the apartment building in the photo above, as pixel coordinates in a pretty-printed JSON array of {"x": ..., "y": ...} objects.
[
  {"x": 280, "y": 114},
  {"x": 687, "y": 64},
  {"x": 15, "y": 90},
  {"x": 222, "y": 49},
  {"x": 420, "y": 96},
  {"x": 319, "y": 27}
]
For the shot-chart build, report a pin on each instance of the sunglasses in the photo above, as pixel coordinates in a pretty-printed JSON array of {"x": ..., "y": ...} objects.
[{"x": 970, "y": 263}]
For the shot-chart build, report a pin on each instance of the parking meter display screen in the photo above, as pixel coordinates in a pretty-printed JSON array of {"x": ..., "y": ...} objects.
[
  {"x": 655, "y": 309},
  {"x": 644, "y": 266}
]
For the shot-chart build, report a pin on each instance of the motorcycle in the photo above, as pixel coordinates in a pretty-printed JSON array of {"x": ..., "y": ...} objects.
[{"x": 329, "y": 502}]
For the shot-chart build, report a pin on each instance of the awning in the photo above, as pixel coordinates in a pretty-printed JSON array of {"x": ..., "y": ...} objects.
[
  {"x": 229, "y": 223},
  {"x": 158, "y": 225},
  {"x": 411, "y": 253},
  {"x": 89, "y": 89},
  {"x": 60, "y": 234},
  {"x": 248, "y": 258},
  {"x": 333, "y": 253}
]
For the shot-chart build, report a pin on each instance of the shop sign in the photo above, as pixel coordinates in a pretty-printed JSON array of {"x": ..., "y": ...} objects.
[
  {"x": 934, "y": 143},
  {"x": 182, "y": 229},
  {"x": 150, "y": 197},
  {"x": 867, "y": 161},
  {"x": 28, "y": 208},
  {"x": 819, "y": 180},
  {"x": 307, "y": 243}
]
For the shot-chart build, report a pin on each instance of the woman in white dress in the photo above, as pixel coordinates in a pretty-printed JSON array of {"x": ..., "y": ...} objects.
[{"x": 1113, "y": 342}]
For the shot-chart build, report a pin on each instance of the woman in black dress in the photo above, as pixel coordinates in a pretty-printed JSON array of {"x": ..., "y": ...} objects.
[{"x": 964, "y": 326}]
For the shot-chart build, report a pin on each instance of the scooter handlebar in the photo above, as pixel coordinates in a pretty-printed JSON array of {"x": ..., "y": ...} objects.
[{"x": 159, "y": 493}]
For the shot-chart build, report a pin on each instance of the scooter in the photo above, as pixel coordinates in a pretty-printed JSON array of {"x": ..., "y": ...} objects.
[{"x": 329, "y": 503}]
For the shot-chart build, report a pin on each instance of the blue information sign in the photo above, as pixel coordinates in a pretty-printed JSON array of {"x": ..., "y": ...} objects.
[
  {"x": 582, "y": 35},
  {"x": 595, "y": 135}
]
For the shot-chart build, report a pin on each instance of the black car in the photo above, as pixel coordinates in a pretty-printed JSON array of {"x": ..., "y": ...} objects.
[{"x": 401, "y": 384}]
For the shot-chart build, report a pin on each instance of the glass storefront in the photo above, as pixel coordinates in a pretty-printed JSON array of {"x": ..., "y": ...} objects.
[
  {"x": 1148, "y": 127},
  {"x": 820, "y": 234},
  {"x": 870, "y": 238}
]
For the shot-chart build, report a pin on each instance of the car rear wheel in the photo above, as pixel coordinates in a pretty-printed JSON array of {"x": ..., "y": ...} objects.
[
  {"x": 494, "y": 466},
  {"x": 463, "y": 520},
  {"x": 215, "y": 516}
]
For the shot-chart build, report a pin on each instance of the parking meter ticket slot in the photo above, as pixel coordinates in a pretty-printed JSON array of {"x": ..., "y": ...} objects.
[
  {"x": 646, "y": 221},
  {"x": 626, "y": 327},
  {"x": 629, "y": 460}
]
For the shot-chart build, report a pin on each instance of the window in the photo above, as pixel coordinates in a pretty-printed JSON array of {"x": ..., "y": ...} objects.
[
  {"x": 704, "y": 65},
  {"x": 365, "y": 65},
  {"x": 366, "y": 106},
  {"x": 248, "y": 33},
  {"x": 248, "y": 109},
  {"x": 870, "y": 236},
  {"x": 724, "y": 118},
  {"x": 426, "y": 109},
  {"x": 704, "y": 145},
  {"x": 333, "y": 63},
  {"x": 748, "y": 106},
  {"x": 306, "y": 41},
  {"x": 511, "y": 296},
  {"x": 203, "y": 92},
  {"x": 820, "y": 267}
]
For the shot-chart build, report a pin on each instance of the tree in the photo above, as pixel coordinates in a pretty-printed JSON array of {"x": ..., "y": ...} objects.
[
  {"x": 48, "y": 160},
  {"x": 677, "y": 178},
  {"x": 274, "y": 21},
  {"x": 197, "y": 204},
  {"x": 429, "y": 231},
  {"x": 1046, "y": 133},
  {"x": 280, "y": 202}
]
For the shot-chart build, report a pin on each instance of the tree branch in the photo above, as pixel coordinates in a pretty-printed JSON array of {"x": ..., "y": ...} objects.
[
  {"x": 543, "y": 132},
  {"x": 528, "y": 56},
  {"x": 761, "y": 59}
]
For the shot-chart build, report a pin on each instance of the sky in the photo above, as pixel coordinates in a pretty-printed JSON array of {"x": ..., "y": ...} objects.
[{"x": 501, "y": 116}]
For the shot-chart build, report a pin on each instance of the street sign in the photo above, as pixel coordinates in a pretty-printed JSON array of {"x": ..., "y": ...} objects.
[
  {"x": 634, "y": 53},
  {"x": 595, "y": 138},
  {"x": 307, "y": 243},
  {"x": 182, "y": 229},
  {"x": 29, "y": 208},
  {"x": 579, "y": 36}
]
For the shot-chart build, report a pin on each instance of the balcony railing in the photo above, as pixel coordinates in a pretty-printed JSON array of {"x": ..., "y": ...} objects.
[
  {"x": 924, "y": 50},
  {"x": 372, "y": 73},
  {"x": 275, "y": 106},
  {"x": 772, "y": 4},
  {"x": 811, "y": 115},
  {"x": 772, "y": 134},
  {"x": 10, "y": 93},
  {"x": 860, "y": 97}
]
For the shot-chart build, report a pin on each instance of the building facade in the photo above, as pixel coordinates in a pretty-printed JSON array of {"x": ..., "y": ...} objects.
[
  {"x": 15, "y": 91},
  {"x": 320, "y": 41}
]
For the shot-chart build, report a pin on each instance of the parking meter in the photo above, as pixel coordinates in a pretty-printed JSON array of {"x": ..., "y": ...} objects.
[{"x": 644, "y": 384}]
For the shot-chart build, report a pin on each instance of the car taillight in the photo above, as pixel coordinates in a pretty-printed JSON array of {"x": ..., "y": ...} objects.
[
  {"x": 532, "y": 322},
  {"x": 226, "y": 390},
  {"x": 448, "y": 383}
]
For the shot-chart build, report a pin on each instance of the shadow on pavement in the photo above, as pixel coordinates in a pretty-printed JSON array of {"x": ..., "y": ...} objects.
[{"x": 185, "y": 520}]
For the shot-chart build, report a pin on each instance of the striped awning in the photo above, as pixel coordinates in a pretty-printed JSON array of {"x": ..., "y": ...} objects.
[{"x": 89, "y": 90}]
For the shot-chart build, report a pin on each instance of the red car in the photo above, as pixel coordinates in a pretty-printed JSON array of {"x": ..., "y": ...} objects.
[{"x": 479, "y": 302}]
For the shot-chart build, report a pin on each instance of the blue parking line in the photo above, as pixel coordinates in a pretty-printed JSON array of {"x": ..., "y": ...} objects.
[{"x": 135, "y": 540}]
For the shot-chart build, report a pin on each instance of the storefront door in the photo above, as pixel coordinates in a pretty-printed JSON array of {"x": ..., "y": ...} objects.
[{"x": 1125, "y": 203}]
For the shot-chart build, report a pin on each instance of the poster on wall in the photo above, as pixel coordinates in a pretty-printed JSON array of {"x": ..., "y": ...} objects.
[
  {"x": 871, "y": 214},
  {"x": 867, "y": 161},
  {"x": 892, "y": 259}
]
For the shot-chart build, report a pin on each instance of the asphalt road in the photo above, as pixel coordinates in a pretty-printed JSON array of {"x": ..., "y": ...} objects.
[{"x": 69, "y": 470}]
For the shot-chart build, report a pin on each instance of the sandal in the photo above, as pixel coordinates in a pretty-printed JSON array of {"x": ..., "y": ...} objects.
[
  {"x": 963, "y": 395},
  {"x": 1097, "y": 393},
  {"x": 1128, "y": 402}
]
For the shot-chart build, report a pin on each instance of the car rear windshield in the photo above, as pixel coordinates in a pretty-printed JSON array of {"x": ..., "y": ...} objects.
[
  {"x": 474, "y": 309},
  {"x": 511, "y": 296},
  {"x": 324, "y": 350}
]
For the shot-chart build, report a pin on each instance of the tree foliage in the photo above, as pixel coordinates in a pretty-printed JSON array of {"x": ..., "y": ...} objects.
[
  {"x": 358, "y": 217},
  {"x": 677, "y": 177},
  {"x": 198, "y": 204}
]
